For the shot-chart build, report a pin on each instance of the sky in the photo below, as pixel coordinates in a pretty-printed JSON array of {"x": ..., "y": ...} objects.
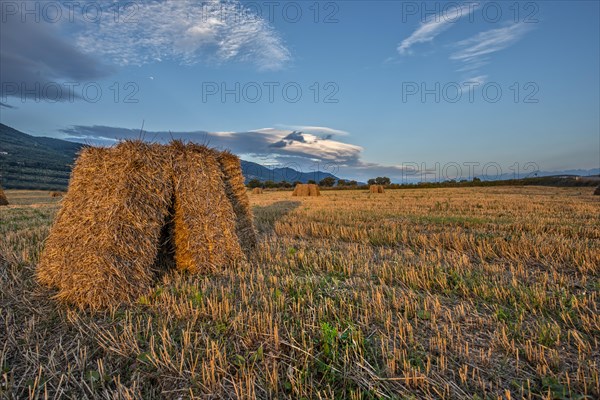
[{"x": 436, "y": 90}]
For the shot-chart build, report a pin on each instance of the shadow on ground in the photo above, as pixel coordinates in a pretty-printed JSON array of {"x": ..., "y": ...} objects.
[{"x": 266, "y": 217}]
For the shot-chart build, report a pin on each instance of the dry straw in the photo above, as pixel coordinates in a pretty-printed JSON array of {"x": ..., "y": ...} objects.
[
  {"x": 127, "y": 210},
  {"x": 3, "y": 199},
  {"x": 376, "y": 189},
  {"x": 56, "y": 194},
  {"x": 257, "y": 191},
  {"x": 303, "y": 189},
  {"x": 205, "y": 222},
  {"x": 104, "y": 241},
  {"x": 236, "y": 192}
]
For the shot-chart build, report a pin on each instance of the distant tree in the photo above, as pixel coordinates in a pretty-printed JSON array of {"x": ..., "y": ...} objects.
[
  {"x": 312, "y": 182},
  {"x": 382, "y": 180},
  {"x": 297, "y": 183},
  {"x": 285, "y": 184},
  {"x": 270, "y": 184},
  {"x": 254, "y": 183},
  {"x": 352, "y": 183},
  {"x": 342, "y": 182},
  {"x": 476, "y": 179},
  {"x": 327, "y": 182}
]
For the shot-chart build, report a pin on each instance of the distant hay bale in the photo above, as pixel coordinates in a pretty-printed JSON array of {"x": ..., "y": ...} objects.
[
  {"x": 236, "y": 192},
  {"x": 56, "y": 194},
  {"x": 301, "y": 189},
  {"x": 3, "y": 199},
  {"x": 104, "y": 240},
  {"x": 133, "y": 209},
  {"x": 313, "y": 190},
  {"x": 257, "y": 191},
  {"x": 376, "y": 189},
  {"x": 597, "y": 191},
  {"x": 304, "y": 189}
]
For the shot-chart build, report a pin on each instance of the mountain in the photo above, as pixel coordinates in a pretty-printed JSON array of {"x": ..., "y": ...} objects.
[
  {"x": 256, "y": 171},
  {"x": 32, "y": 162}
]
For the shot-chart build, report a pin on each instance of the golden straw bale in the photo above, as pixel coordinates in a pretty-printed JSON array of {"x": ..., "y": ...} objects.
[
  {"x": 301, "y": 189},
  {"x": 104, "y": 241},
  {"x": 304, "y": 189},
  {"x": 238, "y": 196},
  {"x": 204, "y": 221},
  {"x": 376, "y": 189},
  {"x": 136, "y": 209},
  {"x": 3, "y": 199},
  {"x": 313, "y": 190},
  {"x": 257, "y": 191}
]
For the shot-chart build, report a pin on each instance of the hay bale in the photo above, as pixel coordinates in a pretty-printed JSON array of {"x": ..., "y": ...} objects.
[
  {"x": 237, "y": 195},
  {"x": 301, "y": 189},
  {"x": 304, "y": 189},
  {"x": 597, "y": 191},
  {"x": 257, "y": 191},
  {"x": 376, "y": 189},
  {"x": 205, "y": 221},
  {"x": 135, "y": 209},
  {"x": 104, "y": 241},
  {"x": 3, "y": 199},
  {"x": 313, "y": 190}
]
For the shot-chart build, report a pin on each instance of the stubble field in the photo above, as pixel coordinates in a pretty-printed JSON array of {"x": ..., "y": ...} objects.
[{"x": 440, "y": 293}]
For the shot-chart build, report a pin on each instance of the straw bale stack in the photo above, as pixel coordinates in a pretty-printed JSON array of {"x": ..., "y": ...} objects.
[
  {"x": 105, "y": 239},
  {"x": 376, "y": 189},
  {"x": 136, "y": 209},
  {"x": 306, "y": 189}
]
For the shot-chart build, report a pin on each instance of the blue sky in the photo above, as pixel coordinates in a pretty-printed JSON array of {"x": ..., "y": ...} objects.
[{"x": 385, "y": 85}]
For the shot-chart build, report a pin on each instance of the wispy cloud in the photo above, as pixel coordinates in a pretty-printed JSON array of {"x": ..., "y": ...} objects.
[
  {"x": 188, "y": 32},
  {"x": 431, "y": 28},
  {"x": 475, "y": 51},
  {"x": 317, "y": 130},
  {"x": 473, "y": 81}
]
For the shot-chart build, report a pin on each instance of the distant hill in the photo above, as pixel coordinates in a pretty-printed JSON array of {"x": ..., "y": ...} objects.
[
  {"x": 32, "y": 162},
  {"x": 256, "y": 171}
]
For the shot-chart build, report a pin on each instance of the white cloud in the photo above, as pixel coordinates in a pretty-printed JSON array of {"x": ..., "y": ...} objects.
[
  {"x": 474, "y": 50},
  {"x": 275, "y": 146},
  {"x": 431, "y": 28},
  {"x": 312, "y": 146},
  {"x": 425, "y": 33},
  {"x": 188, "y": 32},
  {"x": 317, "y": 130},
  {"x": 271, "y": 142}
]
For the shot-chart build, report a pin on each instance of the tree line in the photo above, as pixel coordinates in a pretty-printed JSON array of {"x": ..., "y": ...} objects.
[{"x": 385, "y": 181}]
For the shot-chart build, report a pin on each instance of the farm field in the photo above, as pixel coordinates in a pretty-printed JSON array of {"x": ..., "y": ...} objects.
[{"x": 442, "y": 293}]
